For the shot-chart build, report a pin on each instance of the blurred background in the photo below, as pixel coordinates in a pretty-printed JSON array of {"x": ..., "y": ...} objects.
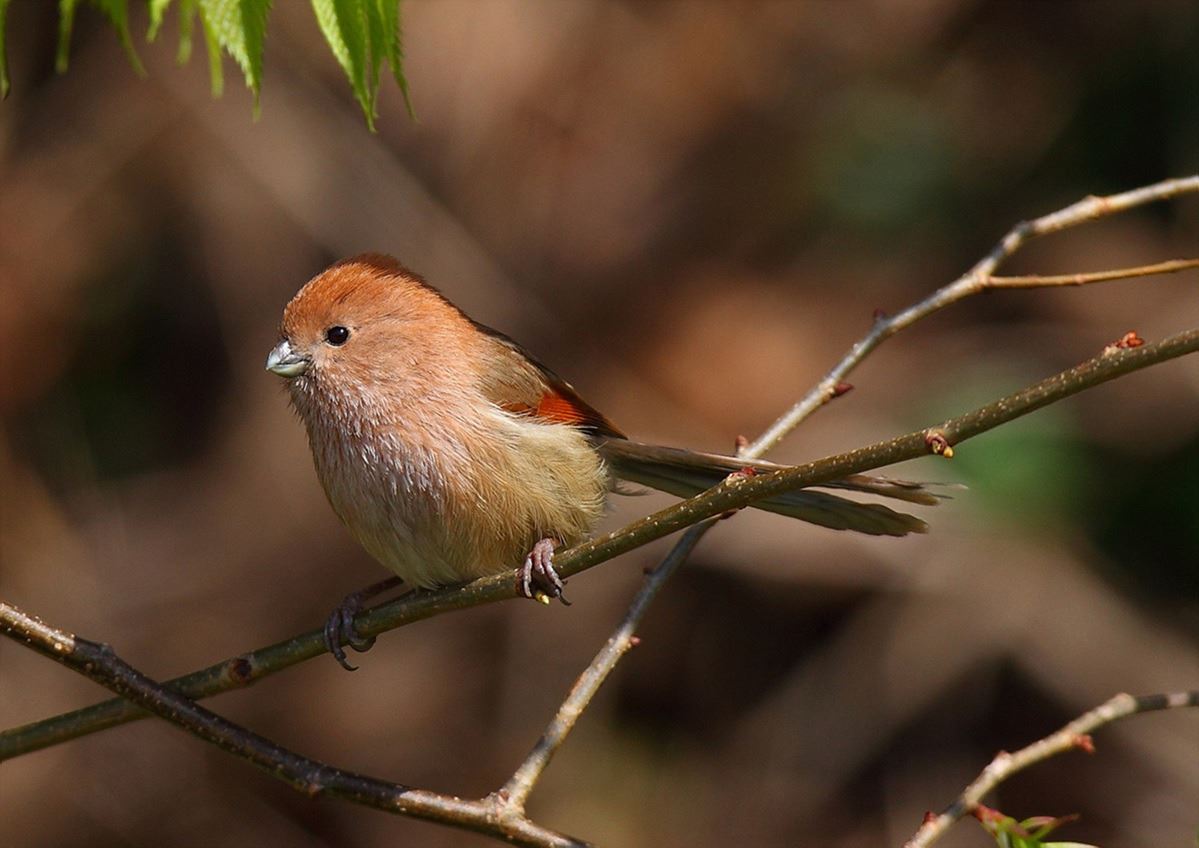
[{"x": 691, "y": 209}]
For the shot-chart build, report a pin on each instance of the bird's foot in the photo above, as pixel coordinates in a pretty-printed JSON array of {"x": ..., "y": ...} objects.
[
  {"x": 339, "y": 626},
  {"x": 538, "y": 580}
]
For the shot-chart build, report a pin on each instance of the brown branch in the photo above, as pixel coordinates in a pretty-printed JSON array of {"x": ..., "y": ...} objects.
[
  {"x": 1074, "y": 735},
  {"x": 1036, "y": 281},
  {"x": 99, "y": 662},
  {"x": 833, "y": 386},
  {"x": 937, "y": 440},
  {"x": 731, "y": 494},
  {"x": 502, "y": 813},
  {"x": 517, "y": 789},
  {"x": 970, "y": 283}
]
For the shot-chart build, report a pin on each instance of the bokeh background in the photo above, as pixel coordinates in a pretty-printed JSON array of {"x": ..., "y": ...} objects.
[{"x": 691, "y": 209}]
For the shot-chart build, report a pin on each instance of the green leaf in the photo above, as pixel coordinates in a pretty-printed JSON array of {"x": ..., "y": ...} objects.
[
  {"x": 386, "y": 40},
  {"x": 158, "y": 9},
  {"x": 1029, "y": 833},
  {"x": 116, "y": 11},
  {"x": 363, "y": 35},
  {"x": 344, "y": 23},
  {"x": 1041, "y": 826},
  {"x": 377, "y": 47},
  {"x": 66, "y": 22},
  {"x": 216, "y": 74},
  {"x": 239, "y": 27},
  {"x": 187, "y": 18},
  {"x": 4, "y": 83}
]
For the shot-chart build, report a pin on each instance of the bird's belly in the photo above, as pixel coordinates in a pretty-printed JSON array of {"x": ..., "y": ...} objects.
[
  {"x": 435, "y": 523},
  {"x": 401, "y": 528}
]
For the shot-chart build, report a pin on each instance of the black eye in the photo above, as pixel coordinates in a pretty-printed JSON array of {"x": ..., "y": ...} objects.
[{"x": 337, "y": 335}]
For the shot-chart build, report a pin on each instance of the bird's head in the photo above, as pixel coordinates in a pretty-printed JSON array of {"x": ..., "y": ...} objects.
[{"x": 367, "y": 325}]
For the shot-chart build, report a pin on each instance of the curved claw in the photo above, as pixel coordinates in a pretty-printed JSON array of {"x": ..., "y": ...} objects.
[
  {"x": 334, "y": 632},
  {"x": 537, "y": 575},
  {"x": 339, "y": 626}
]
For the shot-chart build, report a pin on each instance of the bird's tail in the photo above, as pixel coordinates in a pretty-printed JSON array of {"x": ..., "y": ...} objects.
[{"x": 686, "y": 473}]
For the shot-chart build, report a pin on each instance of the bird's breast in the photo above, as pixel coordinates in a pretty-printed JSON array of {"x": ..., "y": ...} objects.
[{"x": 446, "y": 500}]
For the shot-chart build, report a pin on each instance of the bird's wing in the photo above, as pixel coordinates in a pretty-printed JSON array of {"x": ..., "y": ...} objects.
[{"x": 518, "y": 383}]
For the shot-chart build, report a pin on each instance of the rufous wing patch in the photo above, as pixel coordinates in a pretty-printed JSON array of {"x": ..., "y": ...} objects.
[
  {"x": 555, "y": 407},
  {"x": 561, "y": 408}
]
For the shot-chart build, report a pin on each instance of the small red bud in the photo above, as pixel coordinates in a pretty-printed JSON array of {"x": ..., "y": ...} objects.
[
  {"x": 985, "y": 814},
  {"x": 929, "y": 817},
  {"x": 1126, "y": 342},
  {"x": 841, "y": 389},
  {"x": 938, "y": 444},
  {"x": 1084, "y": 742}
]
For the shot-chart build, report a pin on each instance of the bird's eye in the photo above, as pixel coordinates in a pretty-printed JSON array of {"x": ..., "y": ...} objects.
[{"x": 337, "y": 335}]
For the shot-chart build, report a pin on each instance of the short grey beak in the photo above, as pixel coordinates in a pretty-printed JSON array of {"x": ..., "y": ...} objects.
[{"x": 285, "y": 362}]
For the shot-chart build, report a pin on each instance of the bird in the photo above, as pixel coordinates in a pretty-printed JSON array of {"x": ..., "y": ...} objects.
[{"x": 451, "y": 453}]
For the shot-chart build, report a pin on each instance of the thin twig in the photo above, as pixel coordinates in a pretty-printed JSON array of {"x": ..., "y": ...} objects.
[
  {"x": 978, "y": 279},
  {"x": 1074, "y": 735},
  {"x": 516, "y": 791},
  {"x": 970, "y": 283},
  {"x": 99, "y": 662},
  {"x": 731, "y": 494},
  {"x": 1036, "y": 281},
  {"x": 502, "y": 813}
]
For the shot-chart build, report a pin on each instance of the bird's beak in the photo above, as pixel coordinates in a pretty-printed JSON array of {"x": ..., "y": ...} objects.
[{"x": 286, "y": 362}]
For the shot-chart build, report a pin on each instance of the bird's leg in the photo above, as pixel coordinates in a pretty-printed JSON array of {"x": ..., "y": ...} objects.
[
  {"x": 339, "y": 626},
  {"x": 537, "y": 575}
]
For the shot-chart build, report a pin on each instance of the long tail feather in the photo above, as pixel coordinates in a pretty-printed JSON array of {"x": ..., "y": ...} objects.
[{"x": 686, "y": 473}]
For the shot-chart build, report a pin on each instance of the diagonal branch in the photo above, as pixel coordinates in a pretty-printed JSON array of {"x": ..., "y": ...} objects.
[
  {"x": 312, "y": 778},
  {"x": 978, "y": 279},
  {"x": 1073, "y": 735},
  {"x": 516, "y": 791},
  {"x": 971, "y": 283},
  {"x": 502, "y": 813},
  {"x": 729, "y": 495}
]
